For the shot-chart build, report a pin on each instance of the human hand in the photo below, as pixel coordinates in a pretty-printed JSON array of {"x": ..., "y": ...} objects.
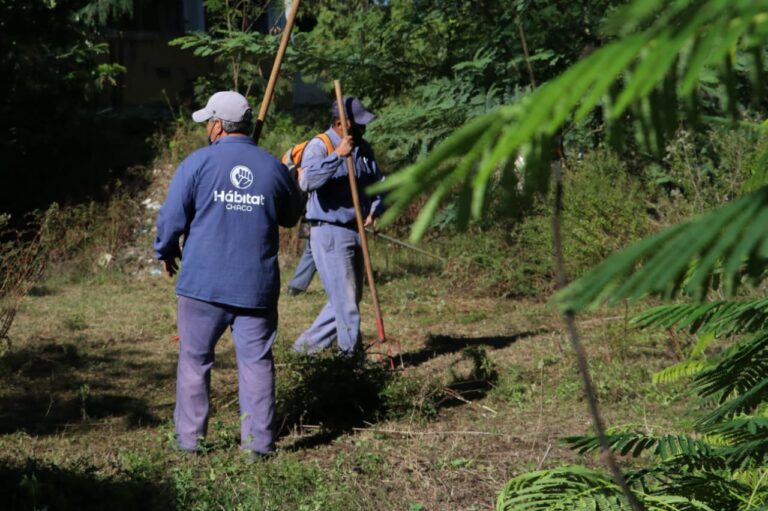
[
  {"x": 371, "y": 222},
  {"x": 345, "y": 147},
  {"x": 171, "y": 267}
]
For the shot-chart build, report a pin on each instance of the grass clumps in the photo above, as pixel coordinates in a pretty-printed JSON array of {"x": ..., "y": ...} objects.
[
  {"x": 408, "y": 396},
  {"x": 339, "y": 394},
  {"x": 282, "y": 483}
]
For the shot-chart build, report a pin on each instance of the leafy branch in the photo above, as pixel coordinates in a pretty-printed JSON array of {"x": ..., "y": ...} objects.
[{"x": 667, "y": 59}]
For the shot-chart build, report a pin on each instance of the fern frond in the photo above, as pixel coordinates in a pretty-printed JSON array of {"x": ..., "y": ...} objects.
[
  {"x": 747, "y": 454},
  {"x": 719, "y": 492},
  {"x": 681, "y": 370},
  {"x": 720, "y": 317},
  {"x": 739, "y": 379},
  {"x": 573, "y": 487},
  {"x": 742, "y": 429},
  {"x": 563, "y": 488},
  {"x": 634, "y": 444},
  {"x": 673, "y": 503},
  {"x": 742, "y": 403}
]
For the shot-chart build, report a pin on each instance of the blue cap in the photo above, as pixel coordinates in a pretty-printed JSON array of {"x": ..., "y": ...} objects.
[
  {"x": 356, "y": 112},
  {"x": 226, "y": 105}
]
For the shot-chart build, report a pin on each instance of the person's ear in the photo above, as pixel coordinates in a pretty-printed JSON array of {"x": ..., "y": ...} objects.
[{"x": 216, "y": 128}]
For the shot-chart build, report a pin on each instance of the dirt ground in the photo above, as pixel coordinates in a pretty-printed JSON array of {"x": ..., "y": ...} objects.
[{"x": 488, "y": 389}]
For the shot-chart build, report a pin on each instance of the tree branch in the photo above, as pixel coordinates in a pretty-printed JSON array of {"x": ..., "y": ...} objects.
[{"x": 573, "y": 337}]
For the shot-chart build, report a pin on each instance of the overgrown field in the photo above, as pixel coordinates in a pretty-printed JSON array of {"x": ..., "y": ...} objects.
[
  {"x": 487, "y": 389},
  {"x": 655, "y": 112}
]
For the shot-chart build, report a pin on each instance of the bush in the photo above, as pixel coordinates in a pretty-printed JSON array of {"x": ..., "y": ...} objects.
[
  {"x": 606, "y": 207},
  {"x": 604, "y": 210},
  {"x": 703, "y": 171}
]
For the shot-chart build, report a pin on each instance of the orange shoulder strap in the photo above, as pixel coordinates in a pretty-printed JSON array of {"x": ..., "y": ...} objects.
[{"x": 327, "y": 141}]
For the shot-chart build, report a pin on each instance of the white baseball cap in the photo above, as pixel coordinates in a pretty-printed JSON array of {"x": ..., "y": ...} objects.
[{"x": 225, "y": 105}]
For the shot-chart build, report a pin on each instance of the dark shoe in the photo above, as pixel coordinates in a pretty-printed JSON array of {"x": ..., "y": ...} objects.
[
  {"x": 293, "y": 291},
  {"x": 257, "y": 457},
  {"x": 191, "y": 453}
]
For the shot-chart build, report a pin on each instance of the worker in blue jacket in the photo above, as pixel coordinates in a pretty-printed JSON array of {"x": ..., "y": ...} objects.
[
  {"x": 334, "y": 239},
  {"x": 227, "y": 201}
]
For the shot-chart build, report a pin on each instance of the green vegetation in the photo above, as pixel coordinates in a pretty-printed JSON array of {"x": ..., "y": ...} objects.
[
  {"x": 235, "y": 45},
  {"x": 720, "y": 250},
  {"x": 658, "y": 110}
]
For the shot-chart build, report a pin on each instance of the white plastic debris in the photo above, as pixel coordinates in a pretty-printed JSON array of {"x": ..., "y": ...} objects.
[
  {"x": 151, "y": 204},
  {"x": 104, "y": 259}
]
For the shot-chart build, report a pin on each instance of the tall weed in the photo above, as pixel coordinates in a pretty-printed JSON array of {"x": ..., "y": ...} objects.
[
  {"x": 178, "y": 140},
  {"x": 87, "y": 237},
  {"x": 605, "y": 210}
]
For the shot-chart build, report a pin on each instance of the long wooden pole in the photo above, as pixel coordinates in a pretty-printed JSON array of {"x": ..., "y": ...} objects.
[
  {"x": 270, "y": 90},
  {"x": 360, "y": 223}
]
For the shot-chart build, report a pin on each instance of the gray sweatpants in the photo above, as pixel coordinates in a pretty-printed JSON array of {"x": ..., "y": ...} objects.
[
  {"x": 201, "y": 324},
  {"x": 339, "y": 259}
]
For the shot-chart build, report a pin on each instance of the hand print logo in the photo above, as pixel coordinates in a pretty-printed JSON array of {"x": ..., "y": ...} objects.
[{"x": 241, "y": 176}]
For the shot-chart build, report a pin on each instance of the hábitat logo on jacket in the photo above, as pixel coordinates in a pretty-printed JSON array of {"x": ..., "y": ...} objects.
[{"x": 241, "y": 176}]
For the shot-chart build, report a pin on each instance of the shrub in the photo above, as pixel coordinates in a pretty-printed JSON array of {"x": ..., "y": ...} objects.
[
  {"x": 702, "y": 171},
  {"x": 605, "y": 209}
]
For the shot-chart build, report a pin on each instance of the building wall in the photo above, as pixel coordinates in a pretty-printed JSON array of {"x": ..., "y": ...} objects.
[{"x": 157, "y": 73}]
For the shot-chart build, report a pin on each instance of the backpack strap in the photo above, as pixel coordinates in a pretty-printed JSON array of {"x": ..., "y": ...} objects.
[
  {"x": 292, "y": 157},
  {"x": 327, "y": 141}
]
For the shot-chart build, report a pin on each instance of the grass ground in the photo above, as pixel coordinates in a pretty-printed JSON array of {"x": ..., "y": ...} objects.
[{"x": 488, "y": 388}]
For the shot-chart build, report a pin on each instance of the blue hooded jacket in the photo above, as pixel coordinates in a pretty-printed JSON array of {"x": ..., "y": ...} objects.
[{"x": 228, "y": 200}]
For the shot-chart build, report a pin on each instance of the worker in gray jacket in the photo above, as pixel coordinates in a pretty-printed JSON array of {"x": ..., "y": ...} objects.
[{"x": 334, "y": 239}]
